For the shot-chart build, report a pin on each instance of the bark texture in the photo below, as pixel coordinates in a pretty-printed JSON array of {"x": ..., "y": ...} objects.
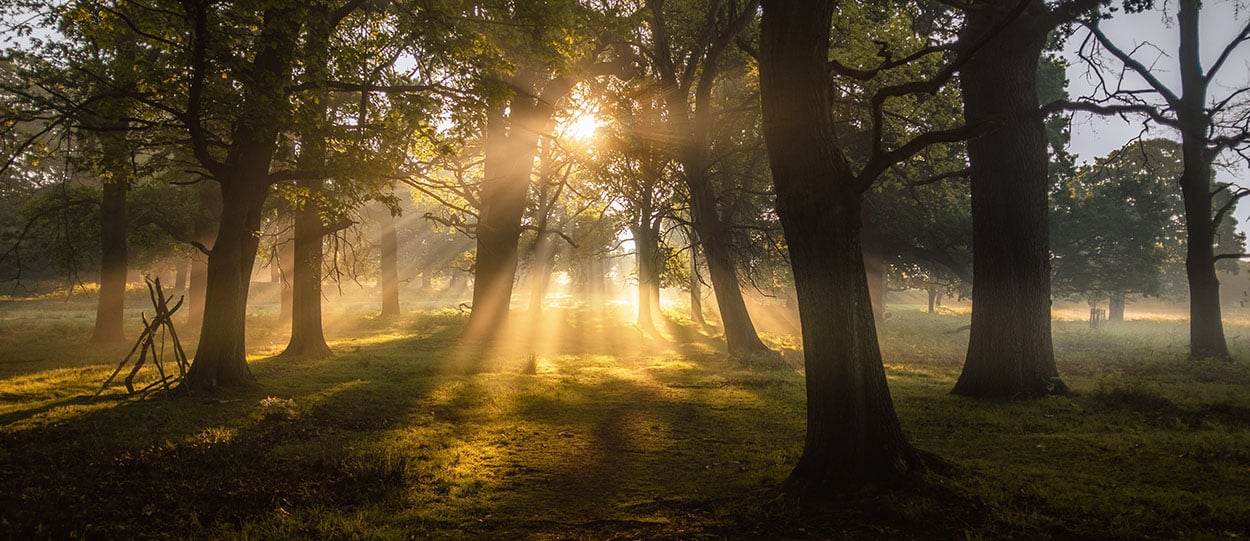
[
  {"x": 307, "y": 335},
  {"x": 221, "y": 356},
  {"x": 853, "y": 435},
  {"x": 1009, "y": 349}
]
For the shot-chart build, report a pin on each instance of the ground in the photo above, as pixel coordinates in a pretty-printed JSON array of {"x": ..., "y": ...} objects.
[{"x": 580, "y": 428}]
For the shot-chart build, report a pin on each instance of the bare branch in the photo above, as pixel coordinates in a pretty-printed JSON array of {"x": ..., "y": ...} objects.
[
  {"x": 1131, "y": 63},
  {"x": 1228, "y": 50}
]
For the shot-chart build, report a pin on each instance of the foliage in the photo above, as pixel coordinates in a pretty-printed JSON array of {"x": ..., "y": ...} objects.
[{"x": 1118, "y": 225}]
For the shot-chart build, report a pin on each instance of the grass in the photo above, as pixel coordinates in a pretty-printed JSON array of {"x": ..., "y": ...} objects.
[{"x": 584, "y": 430}]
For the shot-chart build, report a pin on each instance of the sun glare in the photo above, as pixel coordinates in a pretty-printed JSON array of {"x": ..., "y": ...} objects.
[{"x": 582, "y": 127}]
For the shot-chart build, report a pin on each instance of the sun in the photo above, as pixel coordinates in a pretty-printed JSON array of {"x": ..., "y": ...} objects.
[{"x": 582, "y": 127}]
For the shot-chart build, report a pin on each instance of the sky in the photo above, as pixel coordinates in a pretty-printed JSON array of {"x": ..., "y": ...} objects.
[{"x": 1094, "y": 136}]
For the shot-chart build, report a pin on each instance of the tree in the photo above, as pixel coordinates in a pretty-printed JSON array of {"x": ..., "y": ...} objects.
[
  {"x": 638, "y": 174},
  {"x": 1209, "y": 126},
  {"x": 688, "y": 62},
  {"x": 1112, "y": 222},
  {"x": 1119, "y": 225},
  {"x": 853, "y": 433},
  {"x": 1010, "y": 353}
]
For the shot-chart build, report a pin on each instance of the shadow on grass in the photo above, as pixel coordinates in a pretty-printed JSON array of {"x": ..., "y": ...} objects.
[{"x": 609, "y": 434}]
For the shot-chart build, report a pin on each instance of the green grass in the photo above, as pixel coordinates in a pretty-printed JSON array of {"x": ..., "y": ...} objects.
[{"x": 583, "y": 430}]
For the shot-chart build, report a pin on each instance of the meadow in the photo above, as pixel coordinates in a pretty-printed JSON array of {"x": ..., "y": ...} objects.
[{"x": 581, "y": 427}]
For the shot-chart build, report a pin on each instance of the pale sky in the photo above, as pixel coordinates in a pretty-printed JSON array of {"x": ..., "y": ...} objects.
[{"x": 1094, "y": 136}]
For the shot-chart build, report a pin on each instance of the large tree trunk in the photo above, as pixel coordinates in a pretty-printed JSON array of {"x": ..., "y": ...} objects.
[
  {"x": 853, "y": 434},
  {"x": 221, "y": 357},
  {"x": 1009, "y": 348},
  {"x": 693, "y": 120},
  {"x": 511, "y": 144},
  {"x": 110, "y": 307},
  {"x": 389, "y": 271},
  {"x": 1206, "y": 324},
  {"x": 307, "y": 336}
]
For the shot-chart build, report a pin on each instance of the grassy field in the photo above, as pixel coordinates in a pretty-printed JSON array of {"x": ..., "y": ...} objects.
[{"x": 583, "y": 429}]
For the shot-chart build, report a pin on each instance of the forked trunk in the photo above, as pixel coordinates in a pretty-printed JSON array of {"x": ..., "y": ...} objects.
[
  {"x": 853, "y": 435},
  {"x": 1206, "y": 324}
]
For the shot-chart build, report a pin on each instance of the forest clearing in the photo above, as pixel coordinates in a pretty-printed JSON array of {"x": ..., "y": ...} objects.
[{"x": 601, "y": 435}]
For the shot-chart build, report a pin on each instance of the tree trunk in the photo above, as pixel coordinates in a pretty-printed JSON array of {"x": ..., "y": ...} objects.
[
  {"x": 853, "y": 434},
  {"x": 540, "y": 272},
  {"x": 1009, "y": 348},
  {"x": 286, "y": 275},
  {"x": 1206, "y": 324},
  {"x": 180, "y": 274},
  {"x": 646, "y": 250},
  {"x": 1115, "y": 308},
  {"x": 221, "y": 357},
  {"x": 307, "y": 335},
  {"x": 933, "y": 294},
  {"x": 693, "y": 121},
  {"x": 204, "y": 230},
  {"x": 389, "y": 271},
  {"x": 511, "y": 145},
  {"x": 740, "y": 335},
  {"x": 696, "y": 284},
  {"x": 110, "y": 309}
]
